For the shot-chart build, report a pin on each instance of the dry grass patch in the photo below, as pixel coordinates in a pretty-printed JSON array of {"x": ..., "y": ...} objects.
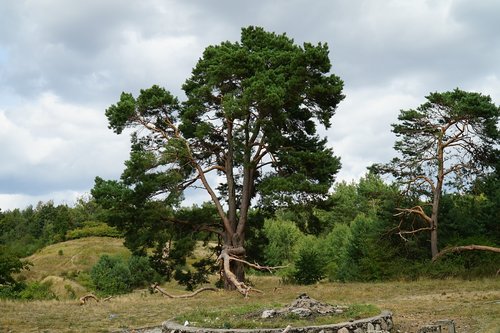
[
  {"x": 474, "y": 305},
  {"x": 72, "y": 256}
]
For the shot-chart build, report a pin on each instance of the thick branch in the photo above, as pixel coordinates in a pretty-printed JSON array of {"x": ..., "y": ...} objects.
[
  {"x": 240, "y": 286},
  {"x": 418, "y": 210},
  {"x": 257, "y": 266},
  {"x": 466, "y": 248},
  {"x": 163, "y": 292}
]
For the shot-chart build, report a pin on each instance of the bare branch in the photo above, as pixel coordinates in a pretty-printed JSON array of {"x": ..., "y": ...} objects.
[
  {"x": 418, "y": 210},
  {"x": 465, "y": 248},
  {"x": 257, "y": 266},
  {"x": 156, "y": 287}
]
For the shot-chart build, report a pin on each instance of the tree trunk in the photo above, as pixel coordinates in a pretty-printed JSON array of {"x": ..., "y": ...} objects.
[
  {"x": 234, "y": 247},
  {"x": 238, "y": 269},
  {"x": 436, "y": 200}
]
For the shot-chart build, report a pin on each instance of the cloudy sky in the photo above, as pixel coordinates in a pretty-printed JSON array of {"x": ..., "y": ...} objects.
[{"x": 62, "y": 63}]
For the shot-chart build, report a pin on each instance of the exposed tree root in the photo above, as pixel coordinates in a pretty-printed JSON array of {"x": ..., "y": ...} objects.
[
  {"x": 156, "y": 287},
  {"x": 466, "y": 248},
  {"x": 241, "y": 286}
]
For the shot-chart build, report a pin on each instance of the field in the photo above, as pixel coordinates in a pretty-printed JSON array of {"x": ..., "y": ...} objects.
[{"x": 473, "y": 305}]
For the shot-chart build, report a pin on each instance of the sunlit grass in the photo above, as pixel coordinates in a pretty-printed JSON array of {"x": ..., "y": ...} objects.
[
  {"x": 249, "y": 316},
  {"x": 472, "y": 304}
]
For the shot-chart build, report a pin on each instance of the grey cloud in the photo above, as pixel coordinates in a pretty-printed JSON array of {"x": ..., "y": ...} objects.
[{"x": 85, "y": 53}]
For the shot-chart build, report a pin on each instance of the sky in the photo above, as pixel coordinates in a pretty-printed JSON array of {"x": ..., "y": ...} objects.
[{"x": 62, "y": 63}]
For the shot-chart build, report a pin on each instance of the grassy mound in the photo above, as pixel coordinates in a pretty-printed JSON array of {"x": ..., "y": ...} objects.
[{"x": 68, "y": 259}]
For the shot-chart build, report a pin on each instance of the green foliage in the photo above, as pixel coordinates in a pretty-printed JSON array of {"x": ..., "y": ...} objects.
[
  {"x": 93, "y": 228},
  {"x": 367, "y": 255},
  {"x": 10, "y": 264},
  {"x": 191, "y": 279},
  {"x": 11, "y": 291},
  {"x": 37, "y": 291},
  {"x": 310, "y": 263},
  {"x": 111, "y": 276},
  {"x": 142, "y": 274},
  {"x": 114, "y": 275},
  {"x": 335, "y": 249},
  {"x": 284, "y": 237},
  {"x": 31, "y": 291}
]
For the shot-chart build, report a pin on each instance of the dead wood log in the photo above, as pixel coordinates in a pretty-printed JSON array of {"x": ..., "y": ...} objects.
[
  {"x": 156, "y": 287},
  {"x": 465, "y": 248},
  {"x": 87, "y": 297}
]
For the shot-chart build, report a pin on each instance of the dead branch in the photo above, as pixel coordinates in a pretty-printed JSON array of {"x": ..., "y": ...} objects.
[
  {"x": 87, "y": 297},
  {"x": 256, "y": 265},
  {"x": 418, "y": 210},
  {"x": 155, "y": 286},
  {"x": 465, "y": 248}
]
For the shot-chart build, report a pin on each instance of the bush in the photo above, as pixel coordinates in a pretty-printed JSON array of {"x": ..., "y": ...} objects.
[
  {"x": 10, "y": 264},
  {"x": 37, "y": 291},
  {"x": 111, "y": 276},
  {"x": 367, "y": 253},
  {"x": 114, "y": 275},
  {"x": 11, "y": 291},
  {"x": 284, "y": 236},
  {"x": 93, "y": 229},
  {"x": 310, "y": 264},
  {"x": 141, "y": 272}
]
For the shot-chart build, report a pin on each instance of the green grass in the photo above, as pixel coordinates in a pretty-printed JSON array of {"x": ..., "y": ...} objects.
[{"x": 249, "y": 316}]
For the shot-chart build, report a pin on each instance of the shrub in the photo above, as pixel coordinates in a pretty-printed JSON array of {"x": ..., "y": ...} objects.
[
  {"x": 310, "y": 263},
  {"x": 37, "y": 291},
  {"x": 141, "y": 272},
  {"x": 111, "y": 275},
  {"x": 284, "y": 237},
  {"x": 93, "y": 228},
  {"x": 11, "y": 291}
]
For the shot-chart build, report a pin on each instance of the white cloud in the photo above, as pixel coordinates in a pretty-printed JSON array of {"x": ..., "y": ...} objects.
[
  {"x": 13, "y": 201},
  {"x": 49, "y": 145}
]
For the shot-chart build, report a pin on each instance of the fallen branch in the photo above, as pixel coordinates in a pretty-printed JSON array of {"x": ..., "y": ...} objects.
[
  {"x": 85, "y": 298},
  {"x": 465, "y": 248},
  {"x": 156, "y": 287}
]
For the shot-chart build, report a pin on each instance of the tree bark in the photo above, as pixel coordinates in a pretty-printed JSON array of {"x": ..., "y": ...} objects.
[
  {"x": 437, "y": 195},
  {"x": 466, "y": 248}
]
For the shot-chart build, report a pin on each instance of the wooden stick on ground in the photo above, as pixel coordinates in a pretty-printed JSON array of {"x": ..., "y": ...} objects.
[{"x": 155, "y": 286}]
